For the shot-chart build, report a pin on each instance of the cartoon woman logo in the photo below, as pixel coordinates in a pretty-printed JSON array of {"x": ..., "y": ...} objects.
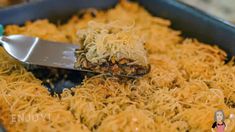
[{"x": 219, "y": 124}]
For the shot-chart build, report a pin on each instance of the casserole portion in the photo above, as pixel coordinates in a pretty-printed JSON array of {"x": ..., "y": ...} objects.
[{"x": 112, "y": 48}]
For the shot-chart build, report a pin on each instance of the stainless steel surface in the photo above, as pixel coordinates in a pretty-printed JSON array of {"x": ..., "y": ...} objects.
[{"x": 39, "y": 52}]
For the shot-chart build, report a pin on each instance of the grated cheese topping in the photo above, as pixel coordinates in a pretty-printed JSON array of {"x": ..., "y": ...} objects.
[{"x": 112, "y": 40}]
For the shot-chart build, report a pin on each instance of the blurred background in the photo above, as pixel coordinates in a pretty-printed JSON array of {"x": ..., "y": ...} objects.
[
  {"x": 224, "y": 9},
  {"x": 6, "y": 3}
]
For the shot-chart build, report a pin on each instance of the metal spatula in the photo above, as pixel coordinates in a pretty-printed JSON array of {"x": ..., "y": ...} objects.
[{"x": 40, "y": 52}]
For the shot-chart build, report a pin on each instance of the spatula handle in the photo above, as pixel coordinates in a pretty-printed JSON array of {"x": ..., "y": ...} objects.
[
  {"x": 1, "y": 30},
  {"x": 1, "y": 33}
]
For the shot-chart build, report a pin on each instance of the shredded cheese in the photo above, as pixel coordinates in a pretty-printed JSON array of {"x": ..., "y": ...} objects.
[
  {"x": 187, "y": 83},
  {"x": 113, "y": 39}
]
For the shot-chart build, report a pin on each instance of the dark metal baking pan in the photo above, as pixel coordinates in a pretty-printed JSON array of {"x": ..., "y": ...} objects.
[{"x": 192, "y": 22}]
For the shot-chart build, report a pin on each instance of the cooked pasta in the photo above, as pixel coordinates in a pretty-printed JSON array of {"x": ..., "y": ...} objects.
[{"x": 187, "y": 83}]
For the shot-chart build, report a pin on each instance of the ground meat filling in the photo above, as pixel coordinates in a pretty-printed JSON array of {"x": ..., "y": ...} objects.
[{"x": 111, "y": 66}]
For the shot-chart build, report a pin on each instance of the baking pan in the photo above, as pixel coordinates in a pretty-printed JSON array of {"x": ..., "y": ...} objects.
[{"x": 192, "y": 22}]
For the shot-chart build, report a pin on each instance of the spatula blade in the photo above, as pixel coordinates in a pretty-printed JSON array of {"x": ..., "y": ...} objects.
[{"x": 36, "y": 51}]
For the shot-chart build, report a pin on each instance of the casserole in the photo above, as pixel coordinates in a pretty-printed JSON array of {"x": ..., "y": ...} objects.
[{"x": 162, "y": 85}]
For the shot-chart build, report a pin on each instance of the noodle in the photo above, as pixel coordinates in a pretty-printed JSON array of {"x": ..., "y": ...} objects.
[{"x": 187, "y": 83}]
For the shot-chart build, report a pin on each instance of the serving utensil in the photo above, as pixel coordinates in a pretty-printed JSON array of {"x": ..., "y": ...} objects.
[
  {"x": 35, "y": 51},
  {"x": 40, "y": 52}
]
